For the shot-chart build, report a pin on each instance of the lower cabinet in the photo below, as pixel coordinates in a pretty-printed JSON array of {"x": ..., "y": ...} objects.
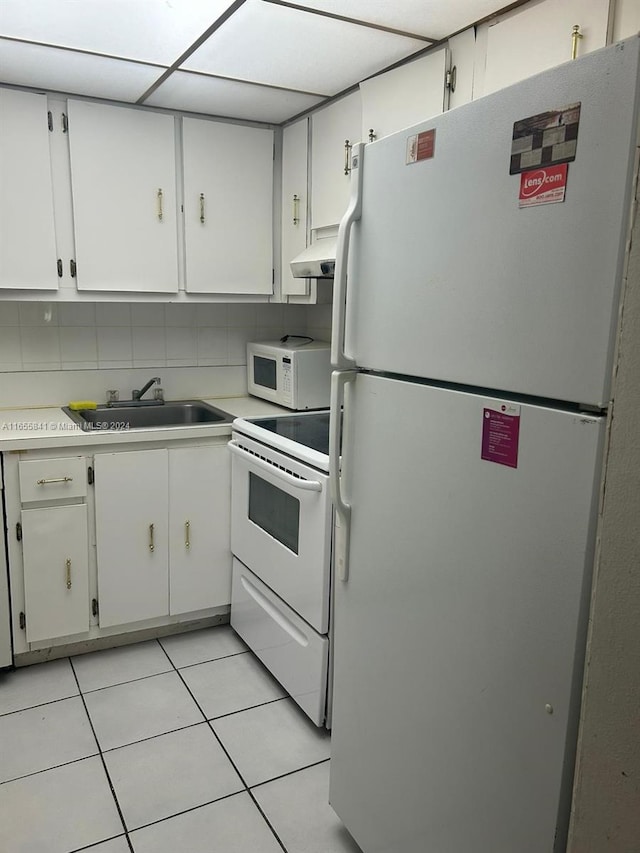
[
  {"x": 56, "y": 571},
  {"x": 162, "y": 532},
  {"x": 132, "y": 509},
  {"x": 199, "y": 528}
]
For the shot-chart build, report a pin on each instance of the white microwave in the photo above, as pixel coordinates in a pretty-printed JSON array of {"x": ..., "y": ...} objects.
[{"x": 297, "y": 376}]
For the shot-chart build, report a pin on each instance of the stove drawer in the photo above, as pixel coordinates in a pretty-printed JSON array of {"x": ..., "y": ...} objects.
[{"x": 290, "y": 648}]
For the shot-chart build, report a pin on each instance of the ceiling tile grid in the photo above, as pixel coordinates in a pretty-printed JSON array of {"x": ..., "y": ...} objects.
[{"x": 256, "y": 60}]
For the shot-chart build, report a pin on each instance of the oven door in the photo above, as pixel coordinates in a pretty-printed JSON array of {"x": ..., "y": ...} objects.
[{"x": 281, "y": 526}]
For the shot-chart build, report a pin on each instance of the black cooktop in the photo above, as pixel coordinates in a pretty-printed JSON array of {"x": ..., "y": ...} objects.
[{"x": 309, "y": 428}]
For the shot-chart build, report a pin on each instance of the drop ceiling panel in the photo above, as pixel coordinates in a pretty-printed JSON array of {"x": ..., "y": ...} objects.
[
  {"x": 147, "y": 30},
  {"x": 213, "y": 96},
  {"x": 79, "y": 73},
  {"x": 285, "y": 47},
  {"x": 430, "y": 18}
]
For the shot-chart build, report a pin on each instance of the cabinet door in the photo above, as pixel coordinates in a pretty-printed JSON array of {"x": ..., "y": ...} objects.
[
  {"x": 27, "y": 237},
  {"x": 538, "y": 37},
  {"x": 295, "y": 145},
  {"x": 330, "y": 127},
  {"x": 404, "y": 96},
  {"x": 228, "y": 207},
  {"x": 199, "y": 528},
  {"x": 56, "y": 571},
  {"x": 132, "y": 508},
  {"x": 123, "y": 178}
]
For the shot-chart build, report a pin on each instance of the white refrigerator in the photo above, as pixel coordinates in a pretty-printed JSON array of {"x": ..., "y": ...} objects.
[{"x": 478, "y": 280}]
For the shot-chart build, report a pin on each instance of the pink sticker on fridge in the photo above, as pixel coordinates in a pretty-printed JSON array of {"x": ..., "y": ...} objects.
[{"x": 500, "y": 434}]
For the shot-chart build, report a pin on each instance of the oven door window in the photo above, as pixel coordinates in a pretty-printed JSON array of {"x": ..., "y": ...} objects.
[
  {"x": 264, "y": 372},
  {"x": 275, "y": 511}
]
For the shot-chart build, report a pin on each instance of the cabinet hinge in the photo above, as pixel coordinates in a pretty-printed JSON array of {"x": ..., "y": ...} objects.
[
  {"x": 450, "y": 79},
  {"x": 23, "y": 621},
  {"x": 72, "y": 268},
  {"x": 65, "y": 123},
  {"x": 50, "y": 121},
  {"x": 59, "y": 267},
  {"x": 91, "y": 477},
  {"x": 94, "y": 606},
  {"x": 19, "y": 532}
]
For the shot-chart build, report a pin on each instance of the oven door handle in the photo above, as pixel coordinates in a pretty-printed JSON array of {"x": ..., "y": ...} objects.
[{"x": 304, "y": 485}]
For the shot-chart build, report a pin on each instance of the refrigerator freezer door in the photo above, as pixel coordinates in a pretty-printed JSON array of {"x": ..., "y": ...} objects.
[
  {"x": 450, "y": 280},
  {"x": 459, "y": 635}
]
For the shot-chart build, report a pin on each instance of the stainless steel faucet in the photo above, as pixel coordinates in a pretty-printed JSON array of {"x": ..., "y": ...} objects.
[{"x": 137, "y": 395}]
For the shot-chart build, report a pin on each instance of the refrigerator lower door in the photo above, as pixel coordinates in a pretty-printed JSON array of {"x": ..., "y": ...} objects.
[{"x": 459, "y": 636}]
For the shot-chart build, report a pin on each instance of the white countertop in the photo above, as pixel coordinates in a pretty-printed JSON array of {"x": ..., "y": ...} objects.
[{"x": 43, "y": 427}]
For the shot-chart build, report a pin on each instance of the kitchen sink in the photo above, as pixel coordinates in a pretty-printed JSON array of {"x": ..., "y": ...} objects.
[{"x": 141, "y": 416}]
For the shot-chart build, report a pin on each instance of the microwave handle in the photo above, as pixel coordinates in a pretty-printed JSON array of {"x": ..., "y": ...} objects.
[
  {"x": 339, "y": 358},
  {"x": 304, "y": 485}
]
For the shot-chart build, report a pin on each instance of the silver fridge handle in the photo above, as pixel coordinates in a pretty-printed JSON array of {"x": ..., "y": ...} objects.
[
  {"x": 343, "y": 509},
  {"x": 339, "y": 358}
]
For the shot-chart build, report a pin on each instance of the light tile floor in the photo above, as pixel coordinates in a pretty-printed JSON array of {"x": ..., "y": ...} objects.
[{"x": 182, "y": 745}]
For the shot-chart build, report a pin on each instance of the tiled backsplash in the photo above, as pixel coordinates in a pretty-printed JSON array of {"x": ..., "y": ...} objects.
[{"x": 37, "y": 336}]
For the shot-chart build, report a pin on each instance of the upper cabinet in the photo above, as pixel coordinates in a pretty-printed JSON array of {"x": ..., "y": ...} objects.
[
  {"x": 334, "y": 130},
  {"x": 294, "y": 203},
  {"x": 228, "y": 204},
  {"x": 123, "y": 176},
  {"x": 28, "y": 256},
  {"x": 404, "y": 96},
  {"x": 537, "y": 37}
]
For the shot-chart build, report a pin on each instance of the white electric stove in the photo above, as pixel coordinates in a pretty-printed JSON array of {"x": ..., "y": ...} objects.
[{"x": 281, "y": 534}]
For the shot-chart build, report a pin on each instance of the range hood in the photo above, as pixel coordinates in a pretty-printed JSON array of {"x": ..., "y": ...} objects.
[{"x": 317, "y": 261}]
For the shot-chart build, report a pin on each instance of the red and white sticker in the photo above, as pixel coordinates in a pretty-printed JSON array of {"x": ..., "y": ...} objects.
[
  {"x": 421, "y": 146},
  {"x": 546, "y": 185}
]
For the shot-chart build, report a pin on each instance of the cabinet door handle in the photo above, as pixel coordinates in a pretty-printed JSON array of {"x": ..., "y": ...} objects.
[
  {"x": 159, "y": 197},
  {"x": 202, "y": 208},
  {"x": 68, "y": 567},
  {"x": 151, "y": 545},
  {"x": 187, "y": 535},
  {"x": 347, "y": 156},
  {"x": 54, "y": 480},
  {"x": 296, "y": 210}
]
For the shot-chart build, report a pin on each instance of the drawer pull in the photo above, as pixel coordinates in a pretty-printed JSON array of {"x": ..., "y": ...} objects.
[
  {"x": 159, "y": 198},
  {"x": 187, "y": 535},
  {"x": 151, "y": 545},
  {"x": 55, "y": 480},
  {"x": 68, "y": 565}
]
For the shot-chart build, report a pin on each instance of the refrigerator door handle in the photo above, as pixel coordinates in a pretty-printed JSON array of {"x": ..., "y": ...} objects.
[
  {"x": 339, "y": 358},
  {"x": 343, "y": 509}
]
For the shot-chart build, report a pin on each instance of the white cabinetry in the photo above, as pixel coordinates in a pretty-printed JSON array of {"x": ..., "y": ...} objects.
[
  {"x": 199, "y": 527},
  {"x": 132, "y": 508},
  {"x": 330, "y": 128},
  {"x": 538, "y": 37},
  {"x": 295, "y": 146},
  {"x": 27, "y": 237},
  {"x": 228, "y": 202},
  {"x": 404, "y": 96},
  {"x": 162, "y": 532},
  {"x": 55, "y": 549},
  {"x": 123, "y": 175}
]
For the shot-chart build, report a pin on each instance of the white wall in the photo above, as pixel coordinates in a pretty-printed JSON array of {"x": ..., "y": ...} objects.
[{"x": 606, "y": 796}]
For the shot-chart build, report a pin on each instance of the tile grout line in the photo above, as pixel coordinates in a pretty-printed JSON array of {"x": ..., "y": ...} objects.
[
  {"x": 104, "y": 764},
  {"x": 224, "y": 749}
]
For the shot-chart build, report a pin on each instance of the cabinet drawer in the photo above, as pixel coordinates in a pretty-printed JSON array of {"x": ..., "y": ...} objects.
[
  {"x": 52, "y": 479},
  {"x": 290, "y": 648}
]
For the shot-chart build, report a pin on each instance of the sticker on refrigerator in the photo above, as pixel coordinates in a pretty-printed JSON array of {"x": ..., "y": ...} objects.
[
  {"x": 500, "y": 434},
  {"x": 546, "y": 139},
  {"x": 421, "y": 146},
  {"x": 543, "y": 186}
]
